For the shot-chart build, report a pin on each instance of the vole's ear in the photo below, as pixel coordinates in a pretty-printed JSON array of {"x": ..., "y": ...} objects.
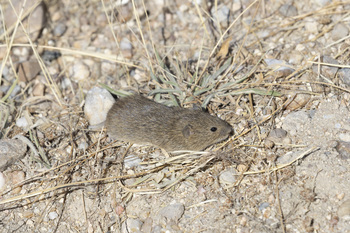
[
  {"x": 187, "y": 131},
  {"x": 196, "y": 107}
]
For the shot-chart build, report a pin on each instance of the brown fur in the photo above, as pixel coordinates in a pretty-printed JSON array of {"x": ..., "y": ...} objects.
[{"x": 139, "y": 120}]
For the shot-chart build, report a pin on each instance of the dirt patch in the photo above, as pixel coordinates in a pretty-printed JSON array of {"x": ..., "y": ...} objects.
[{"x": 276, "y": 71}]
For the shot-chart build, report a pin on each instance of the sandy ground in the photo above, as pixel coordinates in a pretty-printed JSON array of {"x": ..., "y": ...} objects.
[{"x": 277, "y": 71}]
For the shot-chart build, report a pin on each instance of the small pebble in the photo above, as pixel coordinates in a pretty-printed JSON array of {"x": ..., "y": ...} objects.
[
  {"x": 158, "y": 229},
  {"x": 53, "y": 215},
  {"x": 90, "y": 228},
  {"x": 126, "y": 48},
  {"x": 278, "y": 133},
  {"x": 139, "y": 76},
  {"x": 286, "y": 141},
  {"x": 340, "y": 196},
  {"x": 300, "y": 47},
  {"x": 339, "y": 31},
  {"x": 66, "y": 83},
  {"x": 17, "y": 177},
  {"x": 343, "y": 148},
  {"x": 344, "y": 75},
  {"x": 97, "y": 104},
  {"x": 79, "y": 71},
  {"x": 3, "y": 51},
  {"x": 298, "y": 101},
  {"x": 83, "y": 145},
  {"x": 3, "y": 90},
  {"x": 125, "y": 44},
  {"x": 119, "y": 210},
  {"x": 228, "y": 177},
  {"x": 132, "y": 225},
  {"x": 344, "y": 136},
  {"x": 22, "y": 53},
  {"x": 28, "y": 214},
  {"x": 11, "y": 150},
  {"x": 101, "y": 20},
  {"x": 34, "y": 23},
  {"x": 132, "y": 161},
  {"x": 183, "y": 8},
  {"x": 280, "y": 67},
  {"x": 15, "y": 91},
  {"x": 311, "y": 27},
  {"x": 269, "y": 144},
  {"x": 295, "y": 122},
  {"x": 38, "y": 89},
  {"x": 263, "y": 206},
  {"x": 221, "y": 13},
  {"x": 59, "y": 29},
  {"x": 22, "y": 123},
  {"x": 236, "y": 5},
  {"x": 56, "y": 16},
  {"x": 344, "y": 209},
  {"x": 108, "y": 68},
  {"x": 275, "y": 136},
  {"x": 173, "y": 212},
  {"x": 37, "y": 210},
  {"x": 81, "y": 44},
  {"x": 5, "y": 71},
  {"x": 296, "y": 58},
  {"x": 328, "y": 71}
]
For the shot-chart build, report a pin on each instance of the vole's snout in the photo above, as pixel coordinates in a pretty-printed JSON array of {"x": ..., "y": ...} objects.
[
  {"x": 230, "y": 133},
  {"x": 227, "y": 131}
]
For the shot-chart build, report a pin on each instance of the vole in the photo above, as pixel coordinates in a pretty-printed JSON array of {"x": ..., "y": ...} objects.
[{"x": 140, "y": 120}]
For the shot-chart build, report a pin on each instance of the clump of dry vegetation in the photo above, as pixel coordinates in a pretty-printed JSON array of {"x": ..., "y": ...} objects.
[{"x": 249, "y": 62}]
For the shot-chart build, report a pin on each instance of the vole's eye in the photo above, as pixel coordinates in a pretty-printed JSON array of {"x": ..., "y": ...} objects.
[{"x": 213, "y": 129}]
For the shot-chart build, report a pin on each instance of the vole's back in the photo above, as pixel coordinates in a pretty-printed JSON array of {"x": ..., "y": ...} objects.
[{"x": 140, "y": 120}]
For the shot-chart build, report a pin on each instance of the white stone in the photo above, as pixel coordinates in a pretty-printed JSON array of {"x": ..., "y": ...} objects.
[
  {"x": 300, "y": 47},
  {"x": 132, "y": 225},
  {"x": 311, "y": 27},
  {"x": 344, "y": 137},
  {"x": 279, "y": 64},
  {"x": 79, "y": 71},
  {"x": 125, "y": 44},
  {"x": 97, "y": 104},
  {"x": 22, "y": 122},
  {"x": 132, "y": 161},
  {"x": 53, "y": 215},
  {"x": 83, "y": 145},
  {"x": 228, "y": 177}
]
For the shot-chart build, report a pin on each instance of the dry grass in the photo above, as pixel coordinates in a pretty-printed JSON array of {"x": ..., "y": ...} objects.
[{"x": 227, "y": 75}]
